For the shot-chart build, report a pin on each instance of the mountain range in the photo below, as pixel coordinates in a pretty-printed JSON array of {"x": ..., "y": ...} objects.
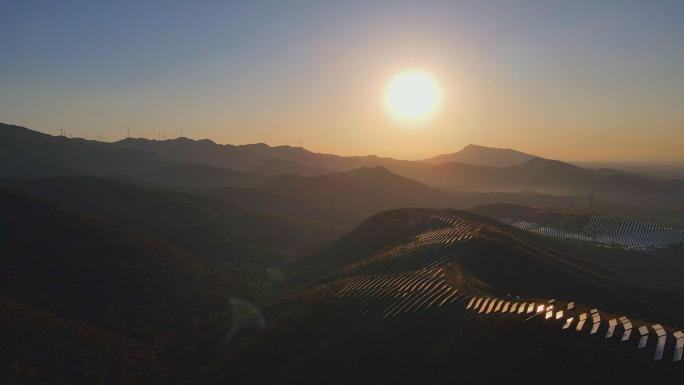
[{"x": 188, "y": 164}]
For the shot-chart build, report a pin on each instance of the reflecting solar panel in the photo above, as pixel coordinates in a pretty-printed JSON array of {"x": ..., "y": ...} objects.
[
  {"x": 477, "y": 304},
  {"x": 548, "y": 314},
  {"x": 505, "y": 307},
  {"x": 521, "y": 308},
  {"x": 595, "y": 321},
  {"x": 470, "y": 304},
  {"x": 679, "y": 346},
  {"x": 491, "y": 306},
  {"x": 567, "y": 323},
  {"x": 498, "y": 306},
  {"x": 540, "y": 308},
  {"x": 530, "y": 308},
  {"x": 611, "y": 328},
  {"x": 581, "y": 321},
  {"x": 571, "y": 305},
  {"x": 449, "y": 297},
  {"x": 627, "y": 326},
  {"x": 662, "y": 338},
  {"x": 643, "y": 332},
  {"x": 559, "y": 314},
  {"x": 484, "y": 306},
  {"x": 514, "y": 307}
]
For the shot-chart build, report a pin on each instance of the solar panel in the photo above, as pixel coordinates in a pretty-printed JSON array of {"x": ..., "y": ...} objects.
[
  {"x": 470, "y": 304},
  {"x": 477, "y": 304},
  {"x": 432, "y": 295},
  {"x": 530, "y": 308},
  {"x": 581, "y": 321},
  {"x": 540, "y": 308},
  {"x": 514, "y": 307},
  {"x": 484, "y": 306},
  {"x": 627, "y": 326},
  {"x": 521, "y": 308},
  {"x": 402, "y": 306},
  {"x": 439, "y": 294},
  {"x": 450, "y": 296},
  {"x": 567, "y": 323},
  {"x": 611, "y": 328},
  {"x": 662, "y": 338},
  {"x": 505, "y": 307},
  {"x": 643, "y": 332},
  {"x": 595, "y": 321},
  {"x": 679, "y": 345},
  {"x": 413, "y": 295},
  {"x": 559, "y": 314},
  {"x": 498, "y": 306},
  {"x": 549, "y": 314},
  {"x": 491, "y": 306}
]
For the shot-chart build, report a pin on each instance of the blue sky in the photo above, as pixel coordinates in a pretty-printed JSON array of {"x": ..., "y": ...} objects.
[{"x": 574, "y": 80}]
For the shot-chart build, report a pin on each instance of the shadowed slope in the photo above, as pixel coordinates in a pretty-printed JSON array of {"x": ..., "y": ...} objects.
[
  {"x": 200, "y": 225},
  {"x": 87, "y": 271}
]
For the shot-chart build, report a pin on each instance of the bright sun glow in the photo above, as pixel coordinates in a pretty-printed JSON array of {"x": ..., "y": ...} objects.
[{"x": 413, "y": 96}]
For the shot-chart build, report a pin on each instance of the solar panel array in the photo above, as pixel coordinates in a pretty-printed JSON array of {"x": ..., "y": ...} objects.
[
  {"x": 519, "y": 204},
  {"x": 389, "y": 295},
  {"x": 392, "y": 294},
  {"x": 603, "y": 224},
  {"x": 648, "y": 239},
  {"x": 620, "y": 328},
  {"x": 606, "y": 230},
  {"x": 431, "y": 247},
  {"x": 550, "y": 231}
]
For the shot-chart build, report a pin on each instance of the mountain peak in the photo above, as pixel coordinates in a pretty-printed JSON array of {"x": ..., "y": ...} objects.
[{"x": 483, "y": 156}]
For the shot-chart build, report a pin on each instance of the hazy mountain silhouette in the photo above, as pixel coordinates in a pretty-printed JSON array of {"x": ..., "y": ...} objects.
[
  {"x": 28, "y": 153},
  {"x": 275, "y": 166},
  {"x": 367, "y": 190},
  {"x": 483, "y": 156},
  {"x": 270, "y": 203},
  {"x": 251, "y": 157},
  {"x": 203, "y": 226}
]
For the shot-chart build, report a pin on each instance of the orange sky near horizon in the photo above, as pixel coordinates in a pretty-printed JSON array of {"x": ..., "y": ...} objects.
[{"x": 579, "y": 82}]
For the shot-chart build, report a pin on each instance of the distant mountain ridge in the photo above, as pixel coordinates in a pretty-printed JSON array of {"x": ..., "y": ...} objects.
[
  {"x": 483, "y": 156},
  {"x": 251, "y": 157},
  {"x": 188, "y": 164}
]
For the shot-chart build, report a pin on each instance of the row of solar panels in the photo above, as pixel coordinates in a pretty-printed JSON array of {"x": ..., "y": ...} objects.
[
  {"x": 550, "y": 231},
  {"x": 602, "y": 224},
  {"x": 644, "y": 239},
  {"x": 519, "y": 204},
  {"x": 572, "y": 318},
  {"x": 392, "y": 294},
  {"x": 429, "y": 244},
  {"x": 442, "y": 237},
  {"x": 654, "y": 239}
]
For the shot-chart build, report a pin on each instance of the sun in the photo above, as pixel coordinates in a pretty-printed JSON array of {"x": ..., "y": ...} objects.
[{"x": 413, "y": 96}]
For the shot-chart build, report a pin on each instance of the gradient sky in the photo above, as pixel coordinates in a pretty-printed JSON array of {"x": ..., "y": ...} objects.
[{"x": 573, "y": 80}]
